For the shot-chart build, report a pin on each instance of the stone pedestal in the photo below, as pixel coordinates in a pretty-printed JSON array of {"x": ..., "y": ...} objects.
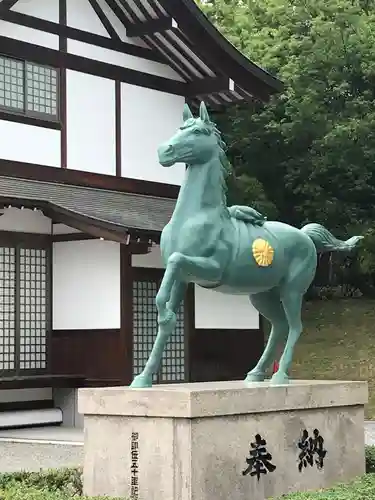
[{"x": 209, "y": 441}]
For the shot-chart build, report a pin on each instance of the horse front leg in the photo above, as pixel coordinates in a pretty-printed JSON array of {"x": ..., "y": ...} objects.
[
  {"x": 168, "y": 298},
  {"x": 166, "y": 326}
]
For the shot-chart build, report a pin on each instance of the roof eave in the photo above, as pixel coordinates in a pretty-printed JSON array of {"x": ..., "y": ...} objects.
[{"x": 208, "y": 39}]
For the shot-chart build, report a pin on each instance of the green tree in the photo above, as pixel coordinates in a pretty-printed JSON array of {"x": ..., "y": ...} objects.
[{"x": 312, "y": 148}]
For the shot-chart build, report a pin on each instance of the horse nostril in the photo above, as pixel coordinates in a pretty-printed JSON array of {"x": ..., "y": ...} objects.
[{"x": 169, "y": 149}]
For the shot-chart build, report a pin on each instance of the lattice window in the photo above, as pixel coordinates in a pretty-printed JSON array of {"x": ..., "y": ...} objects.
[
  {"x": 33, "y": 309},
  {"x": 7, "y": 308},
  {"x": 28, "y": 88},
  {"x": 145, "y": 317},
  {"x": 41, "y": 89},
  {"x": 173, "y": 366},
  {"x": 144, "y": 334}
]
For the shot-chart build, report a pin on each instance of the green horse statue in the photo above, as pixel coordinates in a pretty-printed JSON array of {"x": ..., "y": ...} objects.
[{"x": 232, "y": 250}]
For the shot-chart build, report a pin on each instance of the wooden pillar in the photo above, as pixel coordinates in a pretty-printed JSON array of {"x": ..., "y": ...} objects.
[{"x": 126, "y": 308}]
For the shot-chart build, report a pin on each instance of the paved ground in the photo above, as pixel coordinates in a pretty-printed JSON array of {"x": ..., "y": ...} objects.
[{"x": 370, "y": 432}]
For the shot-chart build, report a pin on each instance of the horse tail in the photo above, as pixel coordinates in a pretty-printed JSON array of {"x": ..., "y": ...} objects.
[{"x": 325, "y": 241}]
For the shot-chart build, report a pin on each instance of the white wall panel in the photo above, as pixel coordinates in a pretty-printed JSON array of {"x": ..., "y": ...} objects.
[
  {"x": 224, "y": 311},
  {"x": 25, "y": 221},
  {"x": 29, "y": 144},
  {"x": 152, "y": 259},
  {"x": 148, "y": 118},
  {"x": 29, "y": 35},
  {"x": 81, "y": 15},
  {"x": 43, "y": 9},
  {"x": 119, "y": 59},
  {"x": 63, "y": 229},
  {"x": 91, "y": 123},
  {"x": 86, "y": 285}
]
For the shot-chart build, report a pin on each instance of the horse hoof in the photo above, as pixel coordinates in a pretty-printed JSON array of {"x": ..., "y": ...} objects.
[
  {"x": 141, "y": 382},
  {"x": 255, "y": 377},
  {"x": 279, "y": 378}
]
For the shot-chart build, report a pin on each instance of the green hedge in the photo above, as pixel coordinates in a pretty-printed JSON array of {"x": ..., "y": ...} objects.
[
  {"x": 370, "y": 459},
  {"x": 65, "y": 484},
  {"x": 360, "y": 489},
  {"x": 61, "y": 484}
]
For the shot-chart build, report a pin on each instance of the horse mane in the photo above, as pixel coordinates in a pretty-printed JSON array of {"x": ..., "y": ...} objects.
[{"x": 211, "y": 128}]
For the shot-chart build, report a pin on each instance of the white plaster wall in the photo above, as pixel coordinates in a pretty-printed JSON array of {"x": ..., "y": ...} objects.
[
  {"x": 148, "y": 118},
  {"x": 86, "y": 285},
  {"x": 152, "y": 259},
  {"x": 63, "y": 229},
  {"x": 24, "y": 221},
  {"x": 18, "y": 395},
  {"x": 45, "y": 9},
  {"x": 82, "y": 16},
  {"x": 215, "y": 310},
  {"x": 48, "y": 10},
  {"x": 91, "y": 123},
  {"x": 30, "y": 144}
]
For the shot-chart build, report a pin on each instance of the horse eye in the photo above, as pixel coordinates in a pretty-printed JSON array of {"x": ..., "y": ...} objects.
[{"x": 197, "y": 131}]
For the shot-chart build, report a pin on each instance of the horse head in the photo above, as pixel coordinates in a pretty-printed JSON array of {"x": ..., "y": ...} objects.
[{"x": 195, "y": 142}]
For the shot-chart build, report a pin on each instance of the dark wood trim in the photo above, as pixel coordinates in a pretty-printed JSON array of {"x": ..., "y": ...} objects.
[
  {"x": 118, "y": 138},
  {"x": 149, "y": 27},
  {"x": 29, "y": 120},
  {"x": 81, "y": 35},
  {"x": 7, "y": 5},
  {"x": 57, "y": 59},
  {"x": 41, "y": 381},
  {"x": 41, "y": 404},
  {"x": 63, "y": 47},
  {"x": 135, "y": 248},
  {"x": 189, "y": 327},
  {"x": 104, "y": 20},
  {"x": 32, "y": 171},
  {"x": 222, "y": 54},
  {"x": 56, "y": 238},
  {"x": 126, "y": 314},
  {"x": 14, "y": 238},
  {"x": 208, "y": 85},
  {"x": 94, "y": 353}
]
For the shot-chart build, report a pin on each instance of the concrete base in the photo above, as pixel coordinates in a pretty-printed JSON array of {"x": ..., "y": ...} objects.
[{"x": 193, "y": 441}]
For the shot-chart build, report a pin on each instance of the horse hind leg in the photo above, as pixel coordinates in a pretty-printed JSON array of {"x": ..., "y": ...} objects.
[
  {"x": 301, "y": 275},
  {"x": 292, "y": 303},
  {"x": 269, "y": 305}
]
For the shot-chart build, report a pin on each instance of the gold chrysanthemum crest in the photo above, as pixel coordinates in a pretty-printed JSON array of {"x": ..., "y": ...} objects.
[{"x": 262, "y": 252}]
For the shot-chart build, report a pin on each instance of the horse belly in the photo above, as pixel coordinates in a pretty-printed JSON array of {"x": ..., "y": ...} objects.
[{"x": 244, "y": 274}]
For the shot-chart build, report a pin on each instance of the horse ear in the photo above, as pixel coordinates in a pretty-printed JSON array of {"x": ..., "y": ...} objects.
[
  {"x": 187, "y": 114},
  {"x": 203, "y": 113}
]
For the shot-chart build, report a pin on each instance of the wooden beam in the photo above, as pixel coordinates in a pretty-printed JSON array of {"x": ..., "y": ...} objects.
[
  {"x": 63, "y": 47},
  {"x": 43, "y": 55},
  {"x": 80, "y": 35},
  {"x": 209, "y": 85},
  {"x": 126, "y": 314},
  {"x": 118, "y": 135},
  {"x": 7, "y": 4},
  {"x": 104, "y": 20},
  {"x": 33, "y": 171},
  {"x": 149, "y": 27}
]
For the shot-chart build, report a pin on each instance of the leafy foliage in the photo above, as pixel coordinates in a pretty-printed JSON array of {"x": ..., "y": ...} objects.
[
  {"x": 60, "y": 484},
  {"x": 309, "y": 154},
  {"x": 362, "y": 488}
]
